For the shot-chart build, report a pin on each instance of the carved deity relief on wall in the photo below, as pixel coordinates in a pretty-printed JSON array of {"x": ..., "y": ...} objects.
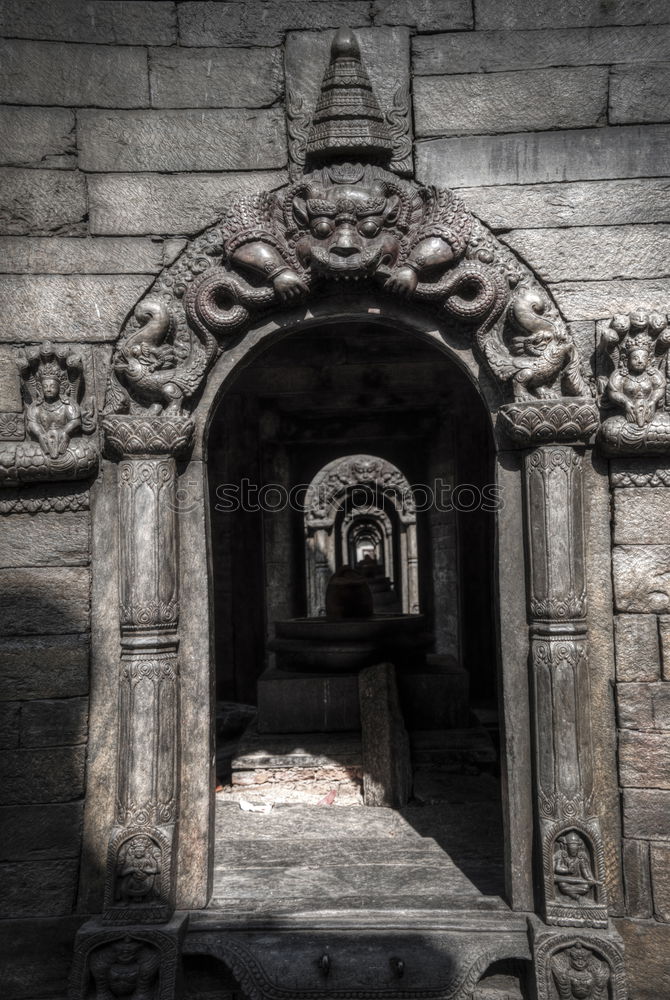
[
  {"x": 348, "y": 220},
  {"x": 59, "y": 418},
  {"x": 634, "y": 397}
]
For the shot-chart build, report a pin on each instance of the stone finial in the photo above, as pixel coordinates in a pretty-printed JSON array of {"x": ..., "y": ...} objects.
[{"x": 347, "y": 121}]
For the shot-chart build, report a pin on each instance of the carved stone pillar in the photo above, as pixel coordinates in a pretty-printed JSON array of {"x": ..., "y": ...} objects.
[
  {"x": 573, "y": 876},
  {"x": 140, "y": 866}
]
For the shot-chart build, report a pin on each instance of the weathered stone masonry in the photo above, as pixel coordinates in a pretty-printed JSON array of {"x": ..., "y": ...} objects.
[{"x": 124, "y": 128}]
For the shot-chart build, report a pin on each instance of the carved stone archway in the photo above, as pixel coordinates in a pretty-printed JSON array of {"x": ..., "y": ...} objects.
[
  {"x": 348, "y": 238},
  {"x": 328, "y": 495}
]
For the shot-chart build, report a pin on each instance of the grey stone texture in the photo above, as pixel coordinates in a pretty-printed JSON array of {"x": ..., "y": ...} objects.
[
  {"x": 10, "y": 717},
  {"x": 166, "y": 140},
  {"x": 73, "y": 75},
  {"x": 639, "y": 94},
  {"x": 387, "y": 771},
  {"x": 477, "y": 103},
  {"x": 637, "y": 649},
  {"x": 215, "y": 78},
  {"x": 248, "y": 23},
  {"x": 647, "y": 945},
  {"x": 603, "y": 299},
  {"x": 28, "y": 777},
  {"x": 424, "y": 15},
  {"x": 163, "y": 203},
  {"x": 47, "y": 666},
  {"x": 549, "y": 14},
  {"x": 659, "y": 856},
  {"x": 37, "y": 137},
  {"x": 90, "y": 308},
  {"x": 568, "y": 254},
  {"x": 642, "y": 578},
  {"x": 644, "y": 760},
  {"x": 56, "y": 255},
  {"x": 37, "y": 832},
  {"x": 44, "y": 600},
  {"x": 637, "y": 878},
  {"x": 646, "y": 813},
  {"x": 587, "y": 203},
  {"x": 25, "y": 977},
  {"x": 641, "y": 516},
  {"x": 664, "y": 633},
  {"x": 41, "y": 202},
  {"x": 541, "y": 157},
  {"x": 644, "y": 706},
  {"x": 129, "y": 22},
  {"x": 38, "y": 888},
  {"x": 45, "y": 540},
  {"x": 492, "y": 51},
  {"x": 61, "y": 722}
]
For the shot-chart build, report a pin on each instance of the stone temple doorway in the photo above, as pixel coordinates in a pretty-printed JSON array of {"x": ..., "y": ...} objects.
[{"x": 351, "y": 407}]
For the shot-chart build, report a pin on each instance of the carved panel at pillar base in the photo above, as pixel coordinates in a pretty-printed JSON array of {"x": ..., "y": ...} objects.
[
  {"x": 574, "y": 873},
  {"x": 578, "y": 965},
  {"x": 569, "y": 419},
  {"x": 139, "y": 885},
  {"x": 134, "y": 435},
  {"x": 135, "y": 962}
]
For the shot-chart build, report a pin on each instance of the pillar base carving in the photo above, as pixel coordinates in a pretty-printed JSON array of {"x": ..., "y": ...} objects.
[
  {"x": 587, "y": 964},
  {"x": 139, "y": 962}
]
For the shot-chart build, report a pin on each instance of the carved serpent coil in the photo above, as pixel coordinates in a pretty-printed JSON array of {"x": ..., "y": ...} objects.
[
  {"x": 487, "y": 304},
  {"x": 221, "y": 302}
]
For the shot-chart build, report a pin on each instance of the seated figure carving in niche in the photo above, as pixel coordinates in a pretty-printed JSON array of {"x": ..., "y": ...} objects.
[
  {"x": 138, "y": 870},
  {"x": 126, "y": 968},
  {"x": 572, "y": 868},
  {"x": 579, "y": 975},
  {"x": 56, "y": 418},
  {"x": 637, "y": 346}
]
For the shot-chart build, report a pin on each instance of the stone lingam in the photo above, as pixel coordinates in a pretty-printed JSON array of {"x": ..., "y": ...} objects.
[
  {"x": 314, "y": 685},
  {"x": 350, "y": 636}
]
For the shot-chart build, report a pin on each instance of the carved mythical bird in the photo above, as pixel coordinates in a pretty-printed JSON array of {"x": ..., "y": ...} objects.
[
  {"x": 146, "y": 365},
  {"x": 538, "y": 357}
]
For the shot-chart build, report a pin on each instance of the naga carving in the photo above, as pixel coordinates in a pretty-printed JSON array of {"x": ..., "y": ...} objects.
[
  {"x": 58, "y": 420},
  {"x": 635, "y": 346}
]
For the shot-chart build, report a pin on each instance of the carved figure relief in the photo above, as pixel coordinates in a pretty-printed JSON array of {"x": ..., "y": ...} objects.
[
  {"x": 579, "y": 974},
  {"x": 138, "y": 869},
  {"x": 636, "y": 347},
  {"x": 573, "y": 874},
  {"x": 126, "y": 968},
  {"x": 57, "y": 419}
]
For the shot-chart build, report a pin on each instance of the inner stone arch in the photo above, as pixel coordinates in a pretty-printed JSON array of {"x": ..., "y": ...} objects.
[{"x": 360, "y": 512}]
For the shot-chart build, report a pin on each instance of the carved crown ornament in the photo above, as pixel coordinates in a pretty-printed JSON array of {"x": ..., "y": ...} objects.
[
  {"x": 348, "y": 219},
  {"x": 59, "y": 420}
]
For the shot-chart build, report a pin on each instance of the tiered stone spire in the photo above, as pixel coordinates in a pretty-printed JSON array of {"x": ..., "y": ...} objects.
[{"x": 347, "y": 121}]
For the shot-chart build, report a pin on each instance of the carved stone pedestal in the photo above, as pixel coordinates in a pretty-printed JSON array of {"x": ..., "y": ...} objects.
[
  {"x": 585, "y": 965},
  {"x": 136, "y": 962}
]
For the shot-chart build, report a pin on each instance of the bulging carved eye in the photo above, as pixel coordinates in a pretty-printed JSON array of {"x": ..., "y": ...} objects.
[
  {"x": 322, "y": 228},
  {"x": 368, "y": 228}
]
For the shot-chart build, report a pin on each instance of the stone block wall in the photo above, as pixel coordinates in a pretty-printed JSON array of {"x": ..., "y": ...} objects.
[{"x": 123, "y": 127}]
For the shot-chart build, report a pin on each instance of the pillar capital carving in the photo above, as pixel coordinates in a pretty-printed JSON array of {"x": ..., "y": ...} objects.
[
  {"x": 143, "y": 436},
  {"x": 544, "y": 421}
]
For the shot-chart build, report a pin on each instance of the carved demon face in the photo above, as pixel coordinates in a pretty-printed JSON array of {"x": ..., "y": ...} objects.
[{"x": 347, "y": 230}]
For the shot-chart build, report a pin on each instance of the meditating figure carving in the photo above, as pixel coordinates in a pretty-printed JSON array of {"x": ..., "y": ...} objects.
[
  {"x": 56, "y": 418},
  {"x": 572, "y": 868}
]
